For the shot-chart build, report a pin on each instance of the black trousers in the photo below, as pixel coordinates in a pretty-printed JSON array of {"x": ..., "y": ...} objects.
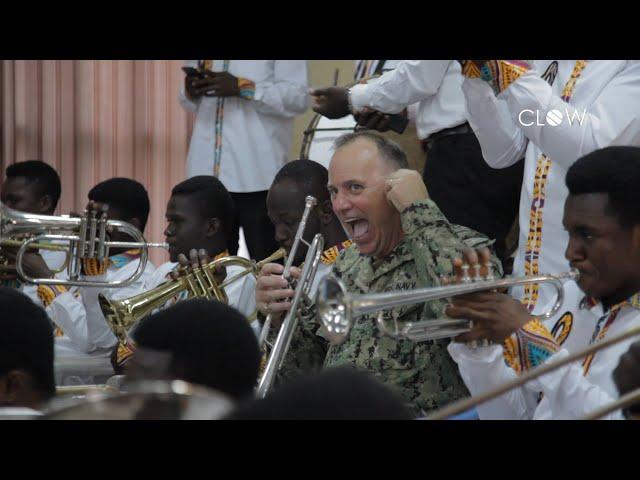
[
  {"x": 468, "y": 191},
  {"x": 251, "y": 215}
]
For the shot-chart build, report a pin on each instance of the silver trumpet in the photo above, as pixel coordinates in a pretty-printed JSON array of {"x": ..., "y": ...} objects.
[
  {"x": 309, "y": 203},
  {"x": 337, "y": 308},
  {"x": 87, "y": 238},
  {"x": 283, "y": 340}
]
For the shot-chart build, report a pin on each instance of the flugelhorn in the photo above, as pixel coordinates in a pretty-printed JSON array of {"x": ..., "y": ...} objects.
[
  {"x": 87, "y": 238},
  {"x": 12, "y": 243},
  {"x": 121, "y": 315},
  {"x": 467, "y": 403},
  {"x": 338, "y": 309}
]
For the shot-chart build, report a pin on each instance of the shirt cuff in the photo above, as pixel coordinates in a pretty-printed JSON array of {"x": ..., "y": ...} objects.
[
  {"x": 247, "y": 88},
  {"x": 419, "y": 214},
  {"x": 359, "y": 97},
  {"x": 48, "y": 293},
  {"x": 124, "y": 353},
  {"x": 499, "y": 74},
  {"x": 94, "y": 267},
  {"x": 532, "y": 345}
]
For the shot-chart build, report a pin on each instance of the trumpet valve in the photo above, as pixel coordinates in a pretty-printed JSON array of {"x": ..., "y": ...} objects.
[
  {"x": 490, "y": 276},
  {"x": 466, "y": 278}
]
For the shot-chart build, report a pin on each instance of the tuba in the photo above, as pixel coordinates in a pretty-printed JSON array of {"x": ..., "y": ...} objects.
[{"x": 121, "y": 315}]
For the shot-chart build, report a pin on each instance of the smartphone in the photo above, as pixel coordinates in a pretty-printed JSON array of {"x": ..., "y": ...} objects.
[
  {"x": 398, "y": 123},
  {"x": 193, "y": 72}
]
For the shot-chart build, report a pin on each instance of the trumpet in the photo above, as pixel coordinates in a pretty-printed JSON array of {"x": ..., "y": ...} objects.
[
  {"x": 10, "y": 243},
  {"x": 283, "y": 341},
  {"x": 86, "y": 237},
  {"x": 123, "y": 314},
  {"x": 337, "y": 309},
  {"x": 309, "y": 203},
  {"x": 467, "y": 403}
]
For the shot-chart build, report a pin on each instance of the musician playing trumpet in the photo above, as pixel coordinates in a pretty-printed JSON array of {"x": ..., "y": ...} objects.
[
  {"x": 31, "y": 187},
  {"x": 285, "y": 205},
  {"x": 199, "y": 228},
  {"x": 401, "y": 241},
  {"x": 81, "y": 331},
  {"x": 602, "y": 220}
]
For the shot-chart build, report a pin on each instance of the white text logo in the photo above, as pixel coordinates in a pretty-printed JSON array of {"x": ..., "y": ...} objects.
[{"x": 553, "y": 117}]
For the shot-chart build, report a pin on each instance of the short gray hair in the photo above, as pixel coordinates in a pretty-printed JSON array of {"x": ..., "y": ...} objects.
[{"x": 389, "y": 150}]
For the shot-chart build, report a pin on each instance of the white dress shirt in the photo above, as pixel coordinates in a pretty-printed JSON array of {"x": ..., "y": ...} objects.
[
  {"x": 435, "y": 84},
  {"x": 256, "y": 133},
  {"x": 567, "y": 393},
  {"x": 77, "y": 312},
  {"x": 609, "y": 92}
]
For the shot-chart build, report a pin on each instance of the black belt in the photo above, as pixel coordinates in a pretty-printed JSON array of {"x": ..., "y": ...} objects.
[{"x": 459, "y": 130}]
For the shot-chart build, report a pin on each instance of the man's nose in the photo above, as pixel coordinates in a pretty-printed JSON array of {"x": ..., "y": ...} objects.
[
  {"x": 574, "y": 251},
  {"x": 340, "y": 203}
]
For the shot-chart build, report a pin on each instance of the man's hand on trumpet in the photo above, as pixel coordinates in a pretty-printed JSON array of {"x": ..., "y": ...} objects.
[
  {"x": 273, "y": 293},
  {"x": 32, "y": 263},
  {"x": 495, "y": 315},
  {"x": 197, "y": 258}
]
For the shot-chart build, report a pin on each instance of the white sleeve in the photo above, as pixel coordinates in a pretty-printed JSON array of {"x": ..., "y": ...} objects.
[
  {"x": 100, "y": 334},
  {"x": 187, "y": 104},
  {"x": 501, "y": 140},
  {"x": 483, "y": 369},
  {"x": 410, "y": 82},
  {"x": 568, "y": 394},
  {"x": 287, "y": 95},
  {"x": 68, "y": 312},
  {"x": 241, "y": 295},
  {"x": 614, "y": 109}
]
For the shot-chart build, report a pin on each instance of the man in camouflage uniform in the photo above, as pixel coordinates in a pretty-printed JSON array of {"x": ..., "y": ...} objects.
[{"x": 401, "y": 242}]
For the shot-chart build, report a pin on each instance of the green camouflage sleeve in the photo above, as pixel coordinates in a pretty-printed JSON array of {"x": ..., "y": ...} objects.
[
  {"x": 307, "y": 350},
  {"x": 435, "y": 243}
]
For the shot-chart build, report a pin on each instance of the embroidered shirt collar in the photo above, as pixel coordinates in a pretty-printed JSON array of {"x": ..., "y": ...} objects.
[
  {"x": 120, "y": 260},
  {"x": 588, "y": 303},
  {"x": 330, "y": 255}
]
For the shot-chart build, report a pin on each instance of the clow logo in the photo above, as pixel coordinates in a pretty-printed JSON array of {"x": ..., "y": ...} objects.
[{"x": 553, "y": 118}]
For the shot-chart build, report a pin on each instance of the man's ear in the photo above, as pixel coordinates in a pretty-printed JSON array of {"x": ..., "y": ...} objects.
[
  {"x": 325, "y": 212},
  {"x": 46, "y": 204},
  {"x": 212, "y": 228}
]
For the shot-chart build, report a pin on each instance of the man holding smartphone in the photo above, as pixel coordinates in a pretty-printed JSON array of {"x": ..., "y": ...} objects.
[
  {"x": 465, "y": 188},
  {"x": 243, "y": 131}
]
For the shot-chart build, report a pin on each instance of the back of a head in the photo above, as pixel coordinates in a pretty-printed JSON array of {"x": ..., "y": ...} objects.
[
  {"x": 312, "y": 176},
  {"x": 212, "y": 200},
  {"x": 41, "y": 174},
  {"x": 211, "y": 344},
  {"x": 125, "y": 194},
  {"x": 614, "y": 171},
  {"x": 389, "y": 150},
  {"x": 26, "y": 340},
  {"x": 335, "y": 394}
]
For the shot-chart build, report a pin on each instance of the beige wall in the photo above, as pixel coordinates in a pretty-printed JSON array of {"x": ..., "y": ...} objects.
[{"x": 321, "y": 74}]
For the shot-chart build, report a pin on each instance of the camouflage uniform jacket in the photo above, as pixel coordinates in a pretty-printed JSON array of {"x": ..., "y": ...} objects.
[{"x": 423, "y": 373}]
